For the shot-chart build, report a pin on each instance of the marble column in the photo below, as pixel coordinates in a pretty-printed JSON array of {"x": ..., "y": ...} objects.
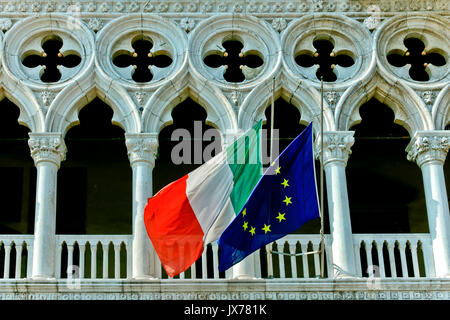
[
  {"x": 142, "y": 149},
  {"x": 429, "y": 150},
  {"x": 337, "y": 146},
  {"x": 47, "y": 151}
]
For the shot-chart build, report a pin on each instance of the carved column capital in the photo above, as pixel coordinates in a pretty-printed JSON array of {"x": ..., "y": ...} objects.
[
  {"x": 142, "y": 147},
  {"x": 336, "y": 146},
  {"x": 427, "y": 146},
  {"x": 47, "y": 147}
]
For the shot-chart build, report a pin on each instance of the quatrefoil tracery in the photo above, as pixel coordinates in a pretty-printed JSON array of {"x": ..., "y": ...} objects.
[
  {"x": 234, "y": 60},
  {"x": 142, "y": 59},
  {"x": 417, "y": 58},
  {"x": 325, "y": 58},
  {"x": 51, "y": 60}
]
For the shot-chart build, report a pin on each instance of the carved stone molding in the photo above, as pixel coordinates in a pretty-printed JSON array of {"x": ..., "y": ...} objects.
[
  {"x": 142, "y": 147},
  {"x": 428, "y": 146},
  {"x": 336, "y": 146},
  {"x": 206, "y": 6},
  {"x": 47, "y": 147}
]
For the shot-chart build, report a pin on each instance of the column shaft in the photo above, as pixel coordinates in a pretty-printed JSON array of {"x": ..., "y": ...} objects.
[
  {"x": 47, "y": 150},
  {"x": 429, "y": 149},
  {"x": 337, "y": 146},
  {"x": 141, "y": 152}
]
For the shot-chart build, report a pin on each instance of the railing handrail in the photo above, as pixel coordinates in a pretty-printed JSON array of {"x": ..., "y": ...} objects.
[
  {"x": 423, "y": 237},
  {"x": 103, "y": 238}
]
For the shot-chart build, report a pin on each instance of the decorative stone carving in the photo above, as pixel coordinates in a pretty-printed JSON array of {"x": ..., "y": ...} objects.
[
  {"x": 47, "y": 97},
  {"x": 347, "y": 39},
  {"x": 142, "y": 147},
  {"x": 187, "y": 24},
  {"x": 332, "y": 98},
  {"x": 95, "y": 24},
  {"x": 279, "y": 24},
  {"x": 428, "y": 97},
  {"x": 390, "y": 42},
  {"x": 48, "y": 147},
  {"x": 255, "y": 38},
  {"x": 429, "y": 146},
  {"x": 141, "y": 97},
  {"x": 336, "y": 146},
  {"x": 5, "y": 24}
]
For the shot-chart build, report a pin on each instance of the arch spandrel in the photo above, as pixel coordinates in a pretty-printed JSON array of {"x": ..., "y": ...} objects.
[
  {"x": 307, "y": 99},
  {"x": 64, "y": 110},
  {"x": 157, "y": 112},
  {"x": 409, "y": 109}
]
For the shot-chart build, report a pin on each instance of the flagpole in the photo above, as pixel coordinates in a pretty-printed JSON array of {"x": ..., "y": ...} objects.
[
  {"x": 272, "y": 121},
  {"x": 322, "y": 236}
]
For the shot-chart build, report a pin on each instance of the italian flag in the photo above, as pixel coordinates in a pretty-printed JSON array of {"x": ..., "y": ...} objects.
[{"x": 194, "y": 210}]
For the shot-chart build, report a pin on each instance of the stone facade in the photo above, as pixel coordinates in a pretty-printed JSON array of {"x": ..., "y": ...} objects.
[{"x": 96, "y": 32}]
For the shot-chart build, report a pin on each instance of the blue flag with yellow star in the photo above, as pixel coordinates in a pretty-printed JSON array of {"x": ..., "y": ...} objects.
[{"x": 283, "y": 200}]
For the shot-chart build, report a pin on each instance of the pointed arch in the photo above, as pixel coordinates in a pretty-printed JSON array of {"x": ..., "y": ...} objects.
[
  {"x": 410, "y": 111},
  {"x": 64, "y": 110},
  {"x": 157, "y": 111},
  {"x": 31, "y": 116},
  {"x": 303, "y": 96},
  {"x": 441, "y": 109}
]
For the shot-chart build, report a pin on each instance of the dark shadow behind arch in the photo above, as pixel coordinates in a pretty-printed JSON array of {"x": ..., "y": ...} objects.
[
  {"x": 385, "y": 189},
  {"x": 17, "y": 174},
  {"x": 287, "y": 121},
  {"x": 184, "y": 115},
  {"x": 95, "y": 180}
]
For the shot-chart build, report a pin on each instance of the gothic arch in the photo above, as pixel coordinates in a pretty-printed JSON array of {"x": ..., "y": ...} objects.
[
  {"x": 300, "y": 94},
  {"x": 441, "y": 109},
  {"x": 31, "y": 115},
  {"x": 63, "y": 112},
  {"x": 410, "y": 111},
  {"x": 157, "y": 112}
]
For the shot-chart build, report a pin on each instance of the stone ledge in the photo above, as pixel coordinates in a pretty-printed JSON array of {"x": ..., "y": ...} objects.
[{"x": 258, "y": 289}]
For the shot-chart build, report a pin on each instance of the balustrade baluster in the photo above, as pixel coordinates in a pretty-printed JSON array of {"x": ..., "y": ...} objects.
[
  {"x": 204, "y": 264},
  {"x": 316, "y": 260},
  {"x": 70, "y": 267},
  {"x": 292, "y": 249},
  {"x": 93, "y": 260},
  {"x": 58, "y": 260},
  {"x": 105, "y": 248},
  {"x": 357, "y": 247},
  {"x": 280, "y": 248},
  {"x": 402, "y": 248},
  {"x": 215, "y": 250},
  {"x": 415, "y": 261},
  {"x": 7, "y": 260},
  {"x": 305, "y": 260},
  {"x": 30, "y": 259},
  {"x": 18, "y": 274},
  {"x": 117, "y": 261},
  {"x": 368, "y": 249},
  {"x": 391, "y": 246},
  {"x": 381, "y": 268},
  {"x": 82, "y": 249}
]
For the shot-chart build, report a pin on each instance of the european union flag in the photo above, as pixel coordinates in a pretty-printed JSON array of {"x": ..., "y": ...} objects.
[{"x": 283, "y": 200}]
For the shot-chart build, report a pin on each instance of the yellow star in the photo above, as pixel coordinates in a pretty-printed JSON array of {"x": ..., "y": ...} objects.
[
  {"x": 287, "y": 200},
  {"x": 277, "y": 170},
  {"x": 244, "y": 212},
  {"x": 281, "y": 216},
  {"x": 252, "y": 231},
  {"x": 285, "y": 183},
  {"x": 245, "y": 226},
  {"x": 266, "y": 228}
]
